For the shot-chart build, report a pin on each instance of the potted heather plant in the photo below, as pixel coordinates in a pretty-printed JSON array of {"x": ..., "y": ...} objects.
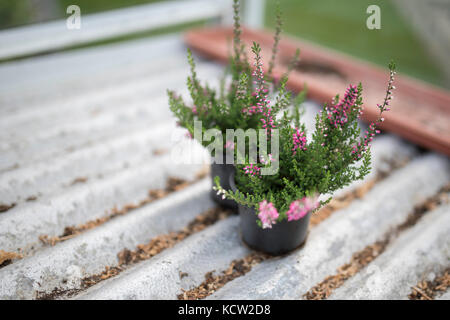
[
  {"x": 275, "y": 208},
  {"x": 227, "y": 108}
]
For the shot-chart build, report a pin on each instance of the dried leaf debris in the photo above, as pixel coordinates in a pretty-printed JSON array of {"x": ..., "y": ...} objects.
[
  {"x": 172, "y": 185},
  {"x": 144, "y": 251},
  {"x": 362, "y": 258},
  {"x": 8, "y": 257},
  {"x": 428, "y": 290},
  {"x": 212, "y": 282}
]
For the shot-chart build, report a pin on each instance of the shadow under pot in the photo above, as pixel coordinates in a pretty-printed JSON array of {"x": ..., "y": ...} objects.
[
  {"x": 282, "y": 238},
  {"x": 223, "y": 171}
]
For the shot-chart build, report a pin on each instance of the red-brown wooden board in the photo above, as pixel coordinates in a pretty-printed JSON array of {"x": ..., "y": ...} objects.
[{"x": 420, "y": 112}]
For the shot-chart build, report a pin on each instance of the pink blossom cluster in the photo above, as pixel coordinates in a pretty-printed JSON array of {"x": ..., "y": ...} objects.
[
  {"x": 339, "y": 112},
  {"x": 364, "y": 144},
  {"x": 268, "y": 214},
  {"x": 299, "y": 139},
  {"x": 203, "y": 108},
  {"x": 322, "y": 127},
  {"x": 261, "y": 93},
  {"x": 263, "y": 160},
  {"x": 241, "y": 92},
  {"x": 229, "y": 145},
  {"x": 300, "y": 208},
  {"x": 253, "y": 170},
  {"x": 389, "y": 96}
]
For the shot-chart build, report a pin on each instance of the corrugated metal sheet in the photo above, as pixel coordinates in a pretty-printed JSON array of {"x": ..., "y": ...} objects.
[{"x": 82, "y": 134}]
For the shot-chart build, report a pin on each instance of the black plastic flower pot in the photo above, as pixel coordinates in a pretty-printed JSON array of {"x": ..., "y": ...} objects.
[
  {"x": 282, "y": 238},
  {"x": 223, "y": 171}
]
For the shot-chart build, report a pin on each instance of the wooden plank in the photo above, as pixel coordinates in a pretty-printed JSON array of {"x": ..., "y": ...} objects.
[{"x": 420, "y": 113}]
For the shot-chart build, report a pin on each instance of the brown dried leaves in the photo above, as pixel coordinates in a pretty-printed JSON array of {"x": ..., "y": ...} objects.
[
  {"x": 212, "y": 282},
  {"x": 428, "y": 290},
  {"x": 156, "y": 245},
  {"x": 7, "y": 257},
  {"x": 172, "y": 185}
]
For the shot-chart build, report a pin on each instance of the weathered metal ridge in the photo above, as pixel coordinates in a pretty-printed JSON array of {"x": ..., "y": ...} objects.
[{"x": 96, "y": 158}]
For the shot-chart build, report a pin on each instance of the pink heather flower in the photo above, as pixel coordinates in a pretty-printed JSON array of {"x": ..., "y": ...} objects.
[
  {"x": 299, "y": 139},
  {"x": 229, "y": 145},
  {"x": 300, "y": 208},
  {"x": 365, "y": 142},
  {"x": 268, "y": 214},
  {"x": 339, "y": 112},
  {"x": 265, "y": 161},
  {"x": 194, "y": 110},
  {"x": 252, "y": 170},
  {"x": 261, "y": 94}
]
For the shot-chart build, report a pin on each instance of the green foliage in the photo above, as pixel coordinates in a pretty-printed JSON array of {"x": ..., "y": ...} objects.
[
  {"x": 336, "y": 155},
  {"x": 226, "y": 107},
  {"x": 341, "y": 25},
  {"x": 13, "y": 13}
]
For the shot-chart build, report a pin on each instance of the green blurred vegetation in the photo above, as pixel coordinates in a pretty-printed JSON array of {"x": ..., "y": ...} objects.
[
  {"x": 92, "y": 6},
  {"x": 341, "y": 25},
  {"x": 14, "y": 12}
]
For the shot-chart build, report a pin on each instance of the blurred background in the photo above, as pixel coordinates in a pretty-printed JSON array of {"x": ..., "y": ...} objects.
[
  {"x": 86, "y": 136},
  {"x": 415, "y": 33}
]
